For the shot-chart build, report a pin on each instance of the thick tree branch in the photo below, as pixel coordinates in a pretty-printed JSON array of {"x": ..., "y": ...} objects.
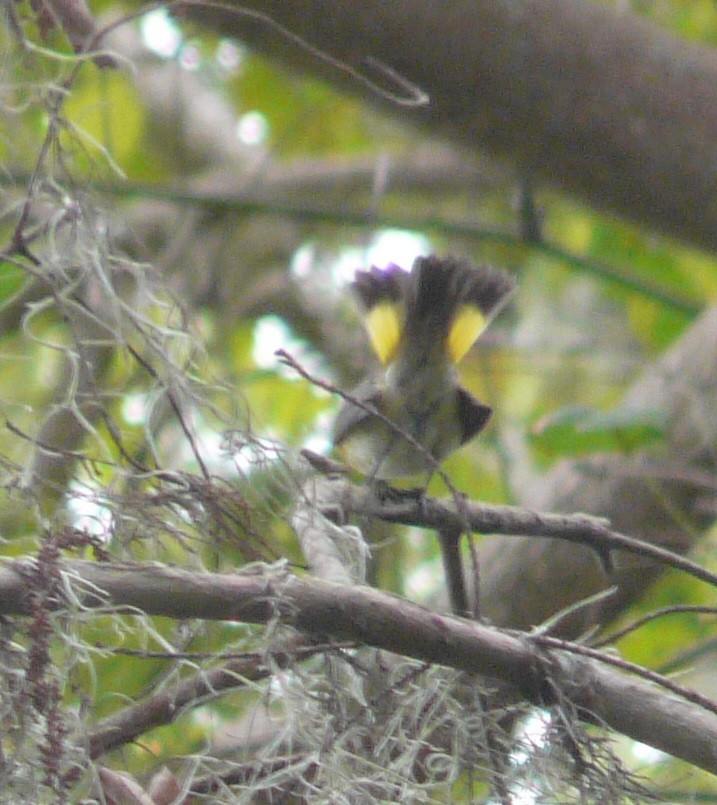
[
  {"x": 319, "y": 608},
  {"x": 578, "y": 94}
]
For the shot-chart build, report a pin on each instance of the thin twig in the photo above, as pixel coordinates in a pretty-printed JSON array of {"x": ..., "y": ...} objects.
[
  {"x": 626, "y": 665},
  {"x": 358, "y": 216},
  {"x": 676, "y": 609}
]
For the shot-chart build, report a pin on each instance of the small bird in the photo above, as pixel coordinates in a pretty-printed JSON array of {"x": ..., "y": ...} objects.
[{"x": 420, "y": 323}]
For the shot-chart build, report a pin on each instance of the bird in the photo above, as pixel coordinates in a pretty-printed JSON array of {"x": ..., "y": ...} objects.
[{"x": 405, "y": 418}]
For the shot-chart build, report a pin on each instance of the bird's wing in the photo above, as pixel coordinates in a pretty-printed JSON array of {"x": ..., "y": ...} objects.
[
  {"x": 351, "y": 415},
  {"x": 472, "y": 413}
]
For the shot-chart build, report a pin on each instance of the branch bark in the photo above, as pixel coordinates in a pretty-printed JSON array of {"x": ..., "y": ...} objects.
[
  {"x": 319, "y": 608},
  {"x": 169, "y": 704},
  {"x": 513, "y": 521},
  {"x": 580, "y": 95}
]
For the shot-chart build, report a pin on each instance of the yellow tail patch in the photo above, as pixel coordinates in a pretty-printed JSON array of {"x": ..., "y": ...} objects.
[
  {"x": 384, "y": 323},
  {"x": 467, "y": 325}
]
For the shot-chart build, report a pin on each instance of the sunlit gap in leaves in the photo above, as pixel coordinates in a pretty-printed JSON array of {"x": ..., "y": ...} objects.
[
  {"x": 423, "y": 581},
  {"x": 190, "y": 57},
  {"x": 385, "y": 246},
  {"x": 220, "y": 458},
  {"x": 88, "y": 511},
  {"x": 531, "y": 774},
  {"x": 230, "y": 56},
  {"x": 396, "y": 246},
  {"x": 161, "y": 34},
  {"x": 532, "y": 736},
  {"x": 252, "y": 128},
  {"x": 272, "y": 333},
  {"x": 647, "y": 755}
]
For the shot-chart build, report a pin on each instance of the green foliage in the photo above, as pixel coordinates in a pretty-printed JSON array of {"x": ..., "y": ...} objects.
[
  {"x": 579, "y": 431},
  {"x": 660, "y": 642},
  {"x": 104, "y": 112},
  {"x": 305, "y": 117},
  {"x": 12, "y": 279}
]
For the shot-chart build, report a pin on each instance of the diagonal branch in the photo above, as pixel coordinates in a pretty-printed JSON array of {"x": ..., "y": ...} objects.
[
  {"x": 165, "y": 707},
  {"x": 318, "y": 608}
]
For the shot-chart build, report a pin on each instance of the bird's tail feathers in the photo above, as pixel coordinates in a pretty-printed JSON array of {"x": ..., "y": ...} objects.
[{"x": 442, "y": 301}]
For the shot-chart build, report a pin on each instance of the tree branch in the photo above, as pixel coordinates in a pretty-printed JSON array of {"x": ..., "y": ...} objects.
[
  {"x": 168, "y": 705},
  {"x": 578, "y": 94},
  {"x": 484, "y": 518},
  {"x": 319, "y": 608}
]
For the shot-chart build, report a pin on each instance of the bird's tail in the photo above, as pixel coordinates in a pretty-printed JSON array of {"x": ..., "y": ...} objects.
[{"x": 443, "y": 303}]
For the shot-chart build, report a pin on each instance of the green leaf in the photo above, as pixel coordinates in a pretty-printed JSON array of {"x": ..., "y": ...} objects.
[
  {"x": 579, "y": 430},
  {"x": 12, "y": 278},
  {"x": 105, "y": 111}
]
